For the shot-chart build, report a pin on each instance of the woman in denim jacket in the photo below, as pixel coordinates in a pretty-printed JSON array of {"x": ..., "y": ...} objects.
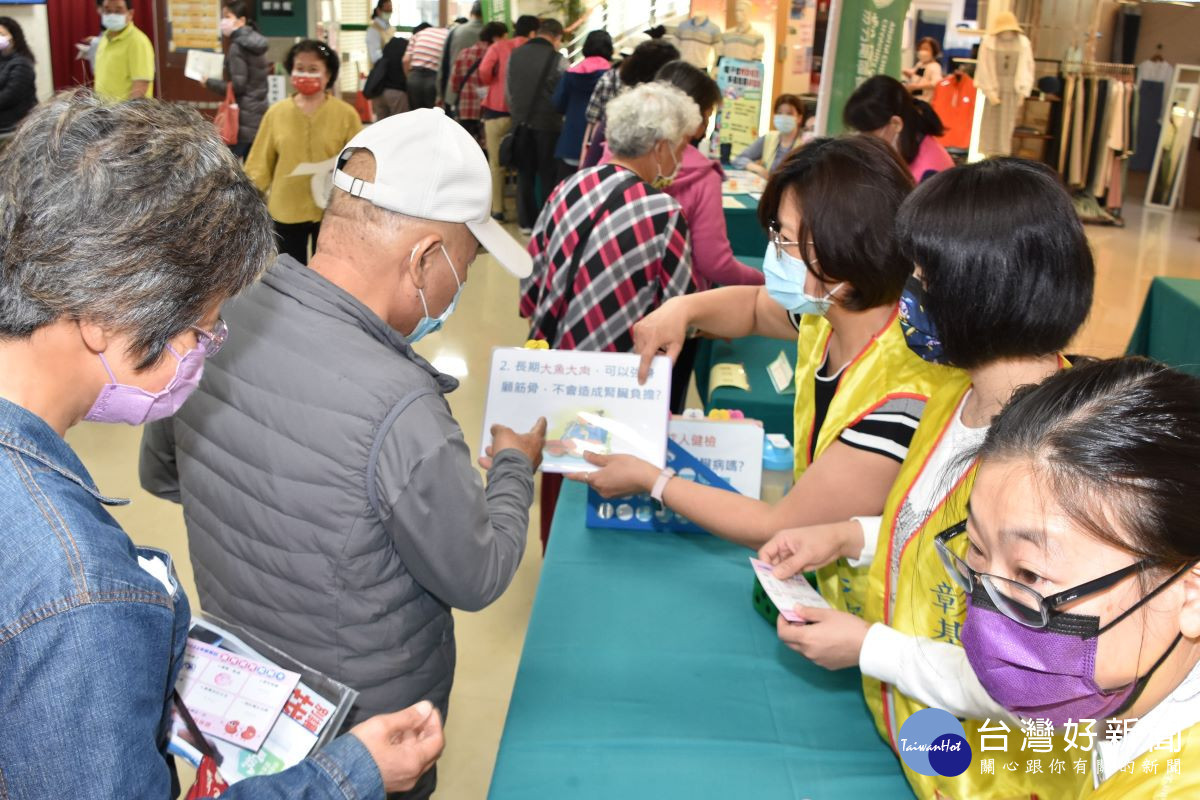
[{"x": 122, "y": 230}]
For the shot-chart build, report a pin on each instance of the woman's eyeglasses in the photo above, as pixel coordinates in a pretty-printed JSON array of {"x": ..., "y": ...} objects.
[
  {"x": 214, "y": 339},
  {"x": 775, "y": 237},
  {"x": 1015, "y": 600}
]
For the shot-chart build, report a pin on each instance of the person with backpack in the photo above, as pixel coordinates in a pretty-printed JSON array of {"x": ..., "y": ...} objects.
[
  {"x": 533, "y": 73},
  {"x": 386, "y": 86}
]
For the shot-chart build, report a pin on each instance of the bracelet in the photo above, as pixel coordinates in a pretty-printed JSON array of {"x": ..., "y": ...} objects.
[{"x": 660, "y": 486}]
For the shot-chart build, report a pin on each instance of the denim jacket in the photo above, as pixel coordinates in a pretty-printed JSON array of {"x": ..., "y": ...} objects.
[{"x": 91, "y": 644}]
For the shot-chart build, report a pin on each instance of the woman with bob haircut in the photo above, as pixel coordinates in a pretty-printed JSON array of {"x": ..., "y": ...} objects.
[
  {"x": 1080, "y": 569},
  {"x": 834, "y": 276},
  {"x": 882, "y": 107},
  {"x": 1000, "y": 301}
]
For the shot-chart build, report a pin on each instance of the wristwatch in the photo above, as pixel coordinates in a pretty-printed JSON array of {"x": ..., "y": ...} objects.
[{"x": 660, "y": 486}]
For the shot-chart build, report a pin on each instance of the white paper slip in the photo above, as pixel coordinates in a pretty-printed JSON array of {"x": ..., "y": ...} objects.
[
  {"x": 202, "y": 65},
  {"x": 786, "y": 595},
  {"x": 592, "y": 403},
  {"x": 320, "y": 174},
  {"x": 780, "y": 371}
]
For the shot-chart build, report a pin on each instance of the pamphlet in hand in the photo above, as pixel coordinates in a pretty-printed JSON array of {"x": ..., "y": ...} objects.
[
  {"x": 231, "y": 696},
  {"x": 786, "y": 595},
  {"x": 592, "y": 403},
  {"x": 309, "y": 716}
]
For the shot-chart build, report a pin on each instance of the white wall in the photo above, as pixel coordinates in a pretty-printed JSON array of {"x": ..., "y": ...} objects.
[{"x": 36, "y": 27}]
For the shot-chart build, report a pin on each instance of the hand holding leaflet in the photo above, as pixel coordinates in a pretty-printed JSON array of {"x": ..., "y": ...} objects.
[{"x": 787, "y": 594}]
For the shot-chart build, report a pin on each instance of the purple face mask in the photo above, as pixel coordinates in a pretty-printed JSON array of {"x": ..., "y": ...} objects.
[
  {"x": 133, "y": 405},
  {"x": 1044, "y": 672}
]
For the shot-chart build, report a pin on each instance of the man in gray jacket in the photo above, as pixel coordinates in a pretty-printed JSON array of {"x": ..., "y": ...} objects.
[
  {"x": 331, "y": 503},
  {"x": 533, "y": 71}
]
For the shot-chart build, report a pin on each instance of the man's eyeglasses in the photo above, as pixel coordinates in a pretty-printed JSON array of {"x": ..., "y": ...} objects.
[
  {"x": 213, "y": 340},
  {"x": 1015, "y": 600}
]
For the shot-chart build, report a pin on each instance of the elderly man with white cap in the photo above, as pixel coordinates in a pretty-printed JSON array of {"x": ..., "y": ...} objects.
[{"x": 331, "y": 502}]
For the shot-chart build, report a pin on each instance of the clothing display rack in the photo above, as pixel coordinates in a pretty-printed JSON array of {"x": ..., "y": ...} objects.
[{"x": 1097, "y": 135}]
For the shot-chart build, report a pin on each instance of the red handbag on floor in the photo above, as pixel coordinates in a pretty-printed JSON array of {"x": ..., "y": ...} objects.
[{"x": 226, "y": 119}]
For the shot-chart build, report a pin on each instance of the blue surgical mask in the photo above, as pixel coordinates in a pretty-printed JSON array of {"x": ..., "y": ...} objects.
[
  {"x": 113, "y": 22},
  {"x": 920, "y": 334},
  {"x": 785, "y": 283},
  {"x": 429, "y": 324},
  {"x": 785, "y": 123}
]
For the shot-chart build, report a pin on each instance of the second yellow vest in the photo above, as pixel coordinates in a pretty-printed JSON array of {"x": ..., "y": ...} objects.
[
  {"x": 910, "y": 591},
  {"x": 884, "y": 370}
]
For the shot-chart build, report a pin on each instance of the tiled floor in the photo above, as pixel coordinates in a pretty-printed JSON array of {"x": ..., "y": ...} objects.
[{"x": 1153, "y": 243}]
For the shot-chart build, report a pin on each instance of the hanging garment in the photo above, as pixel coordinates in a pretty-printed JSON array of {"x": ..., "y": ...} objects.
[
  {"x": 1089, "y": 129},
  {"x": 1149, "y": 124},
  {"x": 1098, "y": 148},
  {"x": 1068, "y": 119},
  {"x": 1075, "y": 168}
]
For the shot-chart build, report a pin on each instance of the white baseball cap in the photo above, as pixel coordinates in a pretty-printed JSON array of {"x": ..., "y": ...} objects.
[{"x": 428, "y": 167}]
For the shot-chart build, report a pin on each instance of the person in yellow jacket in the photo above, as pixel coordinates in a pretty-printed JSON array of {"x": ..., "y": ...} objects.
[
  {"x": 1003, "y": 308},
  {"x": 1081, "y": 570},
  {"x": 834, "y": 275},
  {"x": 309, "y": 127}
]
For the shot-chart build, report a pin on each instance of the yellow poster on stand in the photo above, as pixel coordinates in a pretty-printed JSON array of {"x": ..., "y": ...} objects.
[{"x": 194, "y": 24}]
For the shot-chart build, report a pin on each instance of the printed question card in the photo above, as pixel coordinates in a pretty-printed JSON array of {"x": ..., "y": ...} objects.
[{"x": 592, "y": 402}]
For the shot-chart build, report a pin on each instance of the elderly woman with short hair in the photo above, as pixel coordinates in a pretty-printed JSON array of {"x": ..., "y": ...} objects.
[
  {"x": 123, "y": 228},
  {"x": 610, "y": 247}
]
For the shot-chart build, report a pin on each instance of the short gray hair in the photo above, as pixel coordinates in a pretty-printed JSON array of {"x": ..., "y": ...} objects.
[
  {"x": 641, "y": 117},
  {"x": 133, "y": 216}
]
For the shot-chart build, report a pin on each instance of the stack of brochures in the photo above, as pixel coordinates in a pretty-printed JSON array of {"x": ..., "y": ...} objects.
[{"x": 257, "y": 710}]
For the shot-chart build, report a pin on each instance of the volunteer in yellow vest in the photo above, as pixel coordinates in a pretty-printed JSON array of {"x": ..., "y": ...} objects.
[
  {"x": 1002, "y": 307},
  {"x": 769, "y": 150},
  {"x": 834, "y": 272},
  {"x": 1081, "y": 570},
  {"x": 124, "y": 56},
  {"x": 309, "y": 127}
]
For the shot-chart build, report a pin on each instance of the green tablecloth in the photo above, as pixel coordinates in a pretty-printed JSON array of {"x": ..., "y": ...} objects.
[
  {"x": 647, "y": 673},
  {"x": 762, "y": 402},
  {"x": 745, "y": 234},
  {"x": 1168, "y": 329}
]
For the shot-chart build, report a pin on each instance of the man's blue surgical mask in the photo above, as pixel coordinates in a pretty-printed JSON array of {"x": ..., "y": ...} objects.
[
  {"x": 429, "y": 324},
  {"x": 785, "y": 283}
]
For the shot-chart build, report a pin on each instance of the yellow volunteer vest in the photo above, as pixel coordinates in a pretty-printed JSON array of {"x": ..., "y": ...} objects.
[
  {"x": 884, "y": 370},
  {"x": 909, "y": 590},
  {"x": 1154, "y": 776}
]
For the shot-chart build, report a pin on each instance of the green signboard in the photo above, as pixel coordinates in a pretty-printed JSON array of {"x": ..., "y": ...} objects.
[{"x": 869, "y": 34}]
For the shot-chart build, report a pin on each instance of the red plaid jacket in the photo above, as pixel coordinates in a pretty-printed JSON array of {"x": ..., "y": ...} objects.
[
  {"x": 637, "y": 256},
  {"x": 470, "y": 91}
]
